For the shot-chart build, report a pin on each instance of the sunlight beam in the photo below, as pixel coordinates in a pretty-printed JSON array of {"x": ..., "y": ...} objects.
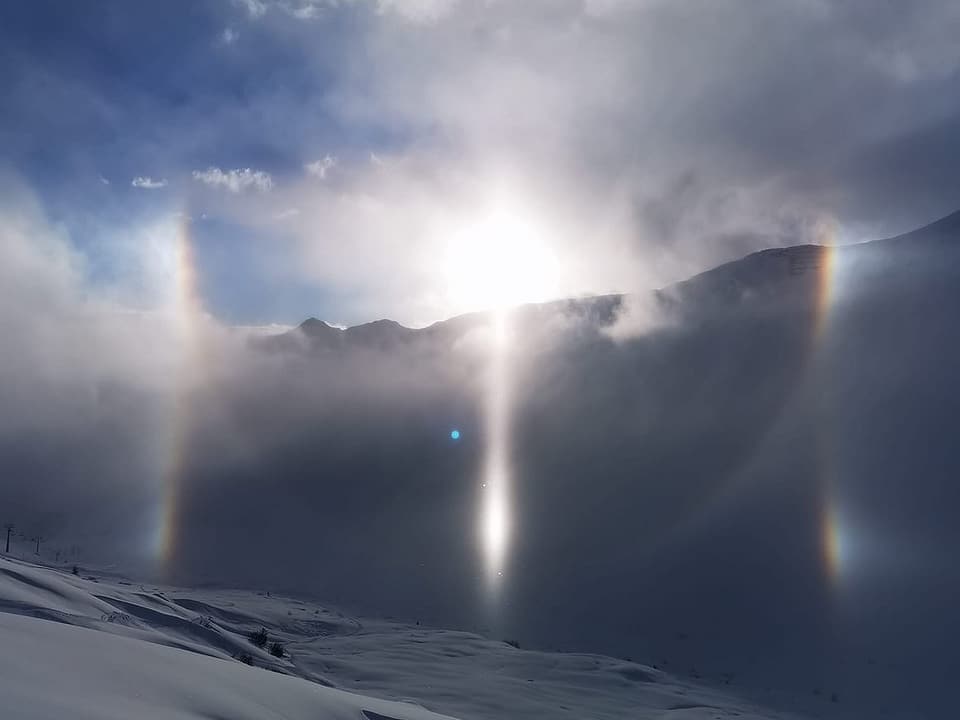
[{"x": 495, "y": 508}]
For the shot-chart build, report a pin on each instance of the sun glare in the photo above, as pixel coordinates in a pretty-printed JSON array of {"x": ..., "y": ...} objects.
[{"x": 499, "y": 261}]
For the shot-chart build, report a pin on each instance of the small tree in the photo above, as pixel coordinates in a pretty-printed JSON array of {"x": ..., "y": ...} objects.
[
  {"x": 277, "y": 649},
  {"x": 245, "y": 658},
  {"x": 259, "y": 637}
]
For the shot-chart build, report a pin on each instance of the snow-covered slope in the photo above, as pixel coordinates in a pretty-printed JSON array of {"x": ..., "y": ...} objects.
[
  {"x": 50, "y": 670},
  {"x": 95, "y": 646}
]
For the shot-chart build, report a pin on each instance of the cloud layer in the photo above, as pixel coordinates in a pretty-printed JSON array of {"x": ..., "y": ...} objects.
[
  {"x": 235, "y": 181},
  {"x": 650, "y": 140},
  {"x": 146, "y": 182},
  {"x": 667, "y": 137}
]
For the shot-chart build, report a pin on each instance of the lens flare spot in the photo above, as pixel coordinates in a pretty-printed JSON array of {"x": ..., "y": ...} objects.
[{"x": 454, "y": 434}]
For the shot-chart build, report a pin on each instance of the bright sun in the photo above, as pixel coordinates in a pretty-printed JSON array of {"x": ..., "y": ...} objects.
[{"x": 500, "y": 260}]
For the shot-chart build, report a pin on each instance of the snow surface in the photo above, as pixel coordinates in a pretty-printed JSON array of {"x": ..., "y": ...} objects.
[{"x": 101, "y": 646}]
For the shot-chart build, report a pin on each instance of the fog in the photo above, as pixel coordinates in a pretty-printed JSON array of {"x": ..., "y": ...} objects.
[{"x": 748, "y": 482}]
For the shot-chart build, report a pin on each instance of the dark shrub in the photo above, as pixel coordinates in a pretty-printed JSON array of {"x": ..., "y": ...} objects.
[
  {"x": 277, "y": 649},
  {"x": 245, "y": 658},
  {"x": 259, "y": 637}
]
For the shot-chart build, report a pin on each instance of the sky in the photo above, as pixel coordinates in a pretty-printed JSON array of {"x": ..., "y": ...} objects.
[{"x": 418, "y": 159}]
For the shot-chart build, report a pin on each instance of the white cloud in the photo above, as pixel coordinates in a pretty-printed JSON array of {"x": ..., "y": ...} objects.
[
  {"x": 148, "y": 183},
  {"x": 423, "y": 12},
  {"x": 305, "y": 11},
  {"x": 638, "y": 314},
  {"x": 42, "y": 284},
  {"x": 260, "y": 331},
  {"x": 254, "y": 8},
  {"x": 416, "y": 12},
  {"x": 288, "y": 213},
  {"x": 103, "y": 180},
  {"x": 301, "y": 9},
  {"x": 229, "y": 36},
  {"x": 320, "y": 168},
  {"x": 235, "y": 181}
]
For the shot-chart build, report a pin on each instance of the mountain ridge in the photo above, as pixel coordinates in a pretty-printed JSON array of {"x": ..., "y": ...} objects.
[{"x": 761, "y": 270}]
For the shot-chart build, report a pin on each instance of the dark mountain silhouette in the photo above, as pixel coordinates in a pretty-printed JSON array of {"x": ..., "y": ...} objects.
[{"x": 772, "y": 273}]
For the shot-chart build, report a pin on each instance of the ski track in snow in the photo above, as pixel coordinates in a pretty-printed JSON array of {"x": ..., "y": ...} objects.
[{"x": 100, "y": 646}]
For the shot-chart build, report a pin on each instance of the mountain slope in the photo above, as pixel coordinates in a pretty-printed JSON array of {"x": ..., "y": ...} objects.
[
  {"x": 121, "y": 649},
  {"x": 50, "y": 671}
]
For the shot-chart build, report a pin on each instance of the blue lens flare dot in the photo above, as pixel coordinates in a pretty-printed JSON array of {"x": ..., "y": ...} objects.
[{"x": 454, "y": 434}]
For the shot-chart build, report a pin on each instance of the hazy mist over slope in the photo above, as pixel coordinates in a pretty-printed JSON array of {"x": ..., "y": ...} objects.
[
  {"x": 757, "y": 484},
  {"x": 731, "y": 475}
]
